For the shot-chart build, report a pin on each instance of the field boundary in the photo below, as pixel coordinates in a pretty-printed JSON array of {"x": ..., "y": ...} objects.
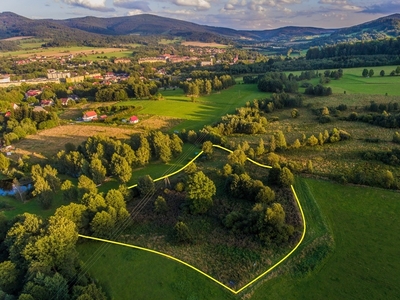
[{"x": 193, "y": 267}]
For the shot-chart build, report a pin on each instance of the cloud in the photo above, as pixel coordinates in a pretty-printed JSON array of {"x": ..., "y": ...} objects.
[
  {"x": 382, "y": 8},
  {"x": 229, "y": 6},
  {"x": 341, "y": 4},
  {"x": 135, "y": 5},
  {"x": 98, "y": 5},
  {"x": 198, "y": 4}
]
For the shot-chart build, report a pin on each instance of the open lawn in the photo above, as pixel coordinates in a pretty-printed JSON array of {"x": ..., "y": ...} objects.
[
  {"x": 205, "y": 110},
  {"x": 363, "y": 265}
]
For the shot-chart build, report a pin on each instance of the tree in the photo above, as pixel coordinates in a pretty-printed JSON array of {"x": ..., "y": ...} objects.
[
  {"x": 286, "y": 177},
  {"x": 77, "y": 213},
  {"x": 275, "y": 215},
  {"x": 295, "y": 113},
  {"x": 312, "y": 141},
  {"x": 280, "y": 140},
  {"x": 86, "y": 185},
  {"x": 145, "y": 185},
  {"x": 200, "y": 190},
  {"x": 365, "y": 73},
  {"x": 382, "y": 73},
  {"x": 44, "y": 192},
  {"x": 8, "y": 277},
  {"x": 69, "y": 191},
  {"x": 208, "y": 149},
  {"x": 175, "y": 144},
  {"x": 4, "y": 163},
  {"x": 310, "y": 168},
  {"x": 143, "y": 153},
  {"x": 265, "y": 195},
  {"x": 56, "y": 248},
  {"x": 296, "y": 144},
  {"x": 97, "y": 170},
  {"x": 387, "y": 179},
  {"x": 260, "y": 149},
  {"x": 371, "y": 73},
  {"x": 237, "y": 157},
  {"x": 160, "y": 205},
  {"x": 182, "y": 232},
  {"x": 121, "y": 168},
  {"x": 102, "y": 224}
]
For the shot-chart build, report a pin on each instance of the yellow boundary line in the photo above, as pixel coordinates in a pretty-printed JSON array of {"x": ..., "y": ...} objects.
[{"x": 196, "y": 269}]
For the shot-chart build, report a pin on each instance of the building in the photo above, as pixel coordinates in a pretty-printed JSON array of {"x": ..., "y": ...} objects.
[
  {"x": 133, "y": 120},
  {"x": 5, "y": 78},
  {"x": 39, "y": 109},
  {"x": 53, "y": 74},
  {"x": 46, "y": 102},
  {"x": 122, "y": 61},
  {"x": 89, "y": 116},
  {"x": 32, "y": 93}
]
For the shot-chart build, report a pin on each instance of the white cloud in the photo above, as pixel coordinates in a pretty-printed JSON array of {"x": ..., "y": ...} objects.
[
  {"x": 198, "y": 4},
  {"x": 98, "y": 5},
  {"x": 134, "y": 12},
  {"x": 229, "y": 6},
  {"x": 135, "y": 5}
]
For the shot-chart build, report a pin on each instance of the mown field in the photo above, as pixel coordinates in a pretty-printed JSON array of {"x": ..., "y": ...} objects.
[
  {"x": 362, "y": 264},
  {"x": 203, "y": 111},
  {"x": 34, "y": 48}
]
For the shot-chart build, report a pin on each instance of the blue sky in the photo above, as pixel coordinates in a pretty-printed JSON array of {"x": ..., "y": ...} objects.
[{"x": 236, "y": 14}]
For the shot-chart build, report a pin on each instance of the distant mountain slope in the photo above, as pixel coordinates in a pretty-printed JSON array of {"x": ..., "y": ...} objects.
[
  {"x": 91, "y": 27},
  {"x": 12, "y": 25}
]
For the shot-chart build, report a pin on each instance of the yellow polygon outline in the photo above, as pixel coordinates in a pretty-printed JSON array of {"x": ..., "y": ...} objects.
[{"x": 194, "y": 268}]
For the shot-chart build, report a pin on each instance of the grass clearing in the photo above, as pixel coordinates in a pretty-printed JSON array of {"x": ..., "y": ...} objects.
[{"x": 364, "y": 264}]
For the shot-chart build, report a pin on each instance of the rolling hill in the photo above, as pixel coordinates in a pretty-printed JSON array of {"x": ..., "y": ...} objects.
[{"x": 86, "y": 28}]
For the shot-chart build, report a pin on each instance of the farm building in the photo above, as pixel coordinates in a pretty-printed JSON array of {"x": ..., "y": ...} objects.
[
  {"x": 89, "y": 116},
  {"x": 133, "y": 120}
]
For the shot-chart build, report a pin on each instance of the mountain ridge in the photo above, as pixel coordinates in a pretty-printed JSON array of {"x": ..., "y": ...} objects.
[{"x": 12, "y": 24}]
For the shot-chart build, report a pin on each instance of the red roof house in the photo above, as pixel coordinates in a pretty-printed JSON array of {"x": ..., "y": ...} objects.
[
  {"x": 89, "y": 116},
  {"x": 133, "y": 120}
]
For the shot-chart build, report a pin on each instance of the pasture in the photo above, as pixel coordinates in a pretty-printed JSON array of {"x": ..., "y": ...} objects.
[
  {"x": 203, "y": 111},
  {"x": 364, "y": 263}
]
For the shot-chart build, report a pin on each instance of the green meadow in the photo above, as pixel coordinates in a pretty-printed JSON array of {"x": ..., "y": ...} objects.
[
  {"x": 354, "y": 83},
  {"x": 203, "y": 111},
  {"x": 362, "y": 263}
]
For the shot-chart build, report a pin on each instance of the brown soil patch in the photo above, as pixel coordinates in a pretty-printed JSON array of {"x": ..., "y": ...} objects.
[
  {"x": 48, "y": 142},
  {"x": 17, "y": 38},
  {"x": 156, "y": 122}
]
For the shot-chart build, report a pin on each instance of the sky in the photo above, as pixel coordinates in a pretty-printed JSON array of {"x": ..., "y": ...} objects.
[{"x": 236, "y": 14}]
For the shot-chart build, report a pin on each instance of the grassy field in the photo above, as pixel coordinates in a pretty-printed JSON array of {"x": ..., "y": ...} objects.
[
  {"x": 204, "y": 111},
  {"x": 363, "y": 265},
  {"x": 353, "y": 82}
]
